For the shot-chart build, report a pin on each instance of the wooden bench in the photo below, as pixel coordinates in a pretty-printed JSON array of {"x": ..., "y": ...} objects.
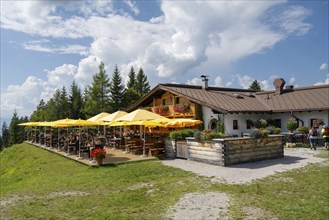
[{"x": 157, "y": 149}]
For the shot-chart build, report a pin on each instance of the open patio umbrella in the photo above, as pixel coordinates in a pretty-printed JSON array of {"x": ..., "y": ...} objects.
[
  {"x": 99, "y": 117},
  {"x": 140, "y": 116},
  {"x": 182, "y": 122},
  {"x": 79, "y": 123},
  {"x": 30, "y": 124},
  {"x": 61, "y": 123},
  {"x": 114, "y": 116}
]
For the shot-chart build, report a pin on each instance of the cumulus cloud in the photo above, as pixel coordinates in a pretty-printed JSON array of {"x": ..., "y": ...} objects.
[
  {"x": 188, "y": 38},
  {"x": 23, "y": 98},
  {"x": 326, "y": 81},
  {"x": 324, "y": 66}
]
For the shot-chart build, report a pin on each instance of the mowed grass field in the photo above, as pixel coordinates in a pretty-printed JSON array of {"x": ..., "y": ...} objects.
[{"x": 36, "y": 184}]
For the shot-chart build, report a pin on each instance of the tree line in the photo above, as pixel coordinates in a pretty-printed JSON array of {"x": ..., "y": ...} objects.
[{"x": 105, "y": 94}]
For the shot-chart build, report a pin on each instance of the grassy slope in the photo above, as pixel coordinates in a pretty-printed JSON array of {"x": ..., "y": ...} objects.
[{"x": 144, "y": 190}]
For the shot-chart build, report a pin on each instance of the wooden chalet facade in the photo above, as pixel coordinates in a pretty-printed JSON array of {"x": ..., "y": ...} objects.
[{"x": 234, "y": 107}]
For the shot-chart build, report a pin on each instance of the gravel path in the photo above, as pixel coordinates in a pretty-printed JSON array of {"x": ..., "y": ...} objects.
[
  {"x": 214, "y": 205},
  {"x": 246, "y": 173}
]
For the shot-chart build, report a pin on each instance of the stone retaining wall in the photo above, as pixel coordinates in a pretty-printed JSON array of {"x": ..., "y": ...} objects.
[{"x": 230, "y": 151}]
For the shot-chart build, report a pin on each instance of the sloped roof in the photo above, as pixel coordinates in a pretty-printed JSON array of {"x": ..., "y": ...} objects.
[
  {"x": 230, "y": 100},
  {"x": 297, "y": 99}
]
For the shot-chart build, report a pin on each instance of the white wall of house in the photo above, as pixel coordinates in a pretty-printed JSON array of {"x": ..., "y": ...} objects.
[{"x": 241, "y": 118}]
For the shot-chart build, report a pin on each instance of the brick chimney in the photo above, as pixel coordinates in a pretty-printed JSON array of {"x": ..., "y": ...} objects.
[
  {"x": 204, "y": 82},
  {"x": 279, "y": 84}
]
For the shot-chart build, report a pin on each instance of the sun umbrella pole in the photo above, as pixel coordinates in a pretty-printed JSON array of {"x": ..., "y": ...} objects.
[
  {"x": 144, "y": 153},
  {"x": 79, "y": 157},
  {"x": 58, "y": 132}
]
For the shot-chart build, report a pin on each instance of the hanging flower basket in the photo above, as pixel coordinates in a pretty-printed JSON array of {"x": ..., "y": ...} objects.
[
  {"x": 161, "y": 110},
  {"x": 182, "y": 108}
]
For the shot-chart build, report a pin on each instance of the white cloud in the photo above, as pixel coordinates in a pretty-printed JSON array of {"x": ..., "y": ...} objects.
[
  {"x": 25, "y": 97},
  {"x": 292, "y": 80},
  {"x": 326, "y": 81},
  {"x": 68, "y": 49},
  {"x": 218, "y": 81},
  {"x": 324, "y": 66},
  {"x": 292, "y": 20},
  {"x": 189, "y": 38},
  {"x": 266, "y": 84},
  {"x": 133, "y": 7},
  {"x": 194, "y": 81},
  {"x": 86, "y": 69},
  {"x": 245, "y": 81},
  {"x": 56, "y": 76}
]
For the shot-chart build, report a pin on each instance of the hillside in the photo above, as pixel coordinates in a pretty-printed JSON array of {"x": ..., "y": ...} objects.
[{"x": 36, "y": 184}]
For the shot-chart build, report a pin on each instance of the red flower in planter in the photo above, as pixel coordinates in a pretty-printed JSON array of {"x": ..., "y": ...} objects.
[{"x": 98, "y": 153}]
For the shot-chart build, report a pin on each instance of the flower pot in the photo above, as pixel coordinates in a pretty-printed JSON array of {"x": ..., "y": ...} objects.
[{"x": 99, "y": 162}]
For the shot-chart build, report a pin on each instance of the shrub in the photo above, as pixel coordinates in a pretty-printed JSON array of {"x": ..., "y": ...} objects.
[
  {"x": 291, "y": 125},
  {"x": 259, "y": 133},
  {"x": 270, "y": 130},
  {"x": 181, "y": 135},
  {"x": 261, "y": 123},
  {"x": 277, "y": 131},
  {"x": 303, "y": 129}
]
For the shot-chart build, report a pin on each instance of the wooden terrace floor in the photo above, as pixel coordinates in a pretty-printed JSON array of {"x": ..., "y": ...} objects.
[{"x": 113, "y": 156}]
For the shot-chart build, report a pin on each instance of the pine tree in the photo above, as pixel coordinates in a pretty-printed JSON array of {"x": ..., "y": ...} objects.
[
  {"x": 130, "y": 97},
  {"x": 22, "y": 130},
  {"x": 39, "y": 113},
  {"x": 64, "y": 104},
  {"x": 132, "y": 78},
  {"x": 76, "y": 102},
  {"x": 142, "y": 85},
  {"x": 14, "y": 130},
  {"x": 116, "y": 91},
  {"x": 255, "y": 86},
  {"x": 4, "y": 136},
  {"x": 97, "y": 97}
]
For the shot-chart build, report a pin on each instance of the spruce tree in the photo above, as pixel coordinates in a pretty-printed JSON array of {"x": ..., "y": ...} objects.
[
  {"x": 4, "y": 136},
  {"x": 132, "y": 78},
  {"x": 75, "y": 102},
  {"x": 14, "y": 130},
  {"x": 97, "y": 97},
  {"x": 142, "y": 85},
  {"x": 39, "y": 113},
  {"x": 255, "y": 86},
  {"x": 116, "y": 91},
  {"x": 64, "y": 104}
]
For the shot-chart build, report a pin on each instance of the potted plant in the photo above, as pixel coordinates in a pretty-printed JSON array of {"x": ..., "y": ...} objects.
[
  {"x": 291, "y": 125},
  {"x": 98, "y": 154},
  {"x": 303, "y": 130}
]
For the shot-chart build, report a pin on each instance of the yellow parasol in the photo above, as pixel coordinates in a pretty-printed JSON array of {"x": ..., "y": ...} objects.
[
  {"x": 99, "y": 117},
  {"x": 140, "y": 115},
  {"x": 114, "y": 116},
  {"x": 183, "y": 122}
]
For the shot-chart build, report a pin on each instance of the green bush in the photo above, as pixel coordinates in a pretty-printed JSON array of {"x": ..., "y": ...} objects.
[
  {"x": 303, "y": 129},
  {"x": 259, "y": 133},
  {"x": 261, "y": 123},
  {"x": 277, "y": 131},
  {"x": 181, "y": 135},
  {"x": 291, "y": 125}
]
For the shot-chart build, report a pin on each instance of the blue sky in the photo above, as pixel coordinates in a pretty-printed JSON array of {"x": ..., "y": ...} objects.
[{"x": 45, "y": 45}]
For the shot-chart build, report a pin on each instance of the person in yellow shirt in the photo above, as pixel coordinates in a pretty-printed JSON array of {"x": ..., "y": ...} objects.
[{"x": 325, "y": 135}]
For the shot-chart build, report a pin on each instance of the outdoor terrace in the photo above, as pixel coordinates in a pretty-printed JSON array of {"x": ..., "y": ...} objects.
[{"x": 113, "y": 156}]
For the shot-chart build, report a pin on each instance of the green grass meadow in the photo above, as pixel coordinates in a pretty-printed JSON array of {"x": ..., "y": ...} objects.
[{"x": 36, "y": 184}]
